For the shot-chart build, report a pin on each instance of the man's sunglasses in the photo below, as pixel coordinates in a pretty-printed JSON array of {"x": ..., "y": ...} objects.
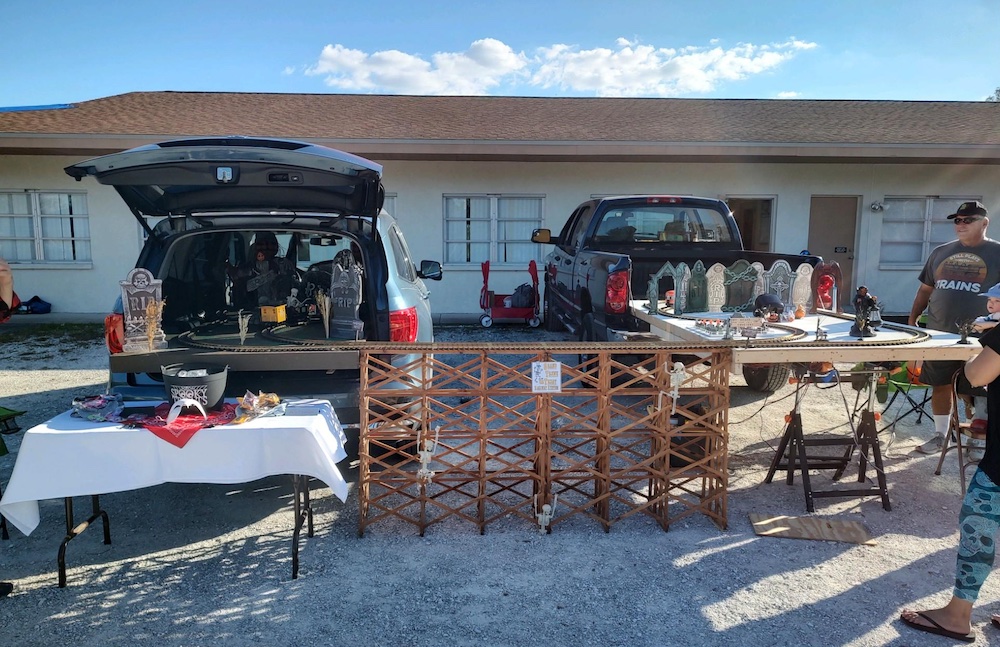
[{"x": 966, "y": 221}]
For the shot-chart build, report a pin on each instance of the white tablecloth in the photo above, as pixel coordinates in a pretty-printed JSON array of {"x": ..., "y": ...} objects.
[{"x": 69, "y": 456}]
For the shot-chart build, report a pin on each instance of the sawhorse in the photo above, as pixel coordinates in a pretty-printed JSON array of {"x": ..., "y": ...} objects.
[{"x": 864, "y": 437}]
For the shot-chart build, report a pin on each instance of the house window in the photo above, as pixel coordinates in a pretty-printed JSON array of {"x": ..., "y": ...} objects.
[
  {"x": 44, "y": 227},
  {"x": 491, "y": 227},
  {"x": 912, "y": 227}
]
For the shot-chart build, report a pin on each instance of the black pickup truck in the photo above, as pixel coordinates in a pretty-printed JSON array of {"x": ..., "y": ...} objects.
[{"x": 609, "y": 248}]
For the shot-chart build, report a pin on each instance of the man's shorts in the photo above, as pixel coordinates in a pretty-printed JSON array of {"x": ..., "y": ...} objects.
[{"x": 940, "y": 372}]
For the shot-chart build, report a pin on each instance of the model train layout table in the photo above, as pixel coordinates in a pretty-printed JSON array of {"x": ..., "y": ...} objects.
[{"x": 812, "y": 341}]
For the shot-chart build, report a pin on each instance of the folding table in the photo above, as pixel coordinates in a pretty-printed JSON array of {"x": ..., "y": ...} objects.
[{"x": 70, "y": 456}]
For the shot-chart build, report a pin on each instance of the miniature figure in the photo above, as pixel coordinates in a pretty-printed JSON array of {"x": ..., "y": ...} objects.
[
  {"x": 545, "y": 514},
  {"x": 866, "y": 314},
  {"x": 965, "y": 328},
  {"x": 768, "y": 306},
  {"x": 821, "y": 335},
  {"x": 425, "y": 451}
]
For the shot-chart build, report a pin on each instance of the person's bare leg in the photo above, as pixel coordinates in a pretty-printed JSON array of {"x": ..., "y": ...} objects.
[
  {"x": 941, "y": 400},
  {"x": 955, "y": 616}
]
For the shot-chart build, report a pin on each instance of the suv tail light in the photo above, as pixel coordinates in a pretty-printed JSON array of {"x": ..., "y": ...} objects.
[
  {"x": 403, "y": 325},
  {"x": 114, "y": 333},
  {"x": 616, "y": 293}
]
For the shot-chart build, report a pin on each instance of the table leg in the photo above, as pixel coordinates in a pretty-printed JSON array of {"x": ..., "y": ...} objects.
[
  {"x": 74, "y": 531},
  {"x": 303, "y": 516},
  {"x": 3, "y": 523}
]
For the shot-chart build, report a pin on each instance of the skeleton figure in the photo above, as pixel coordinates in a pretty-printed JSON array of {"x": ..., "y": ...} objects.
[{"x": 267, "y": 279}]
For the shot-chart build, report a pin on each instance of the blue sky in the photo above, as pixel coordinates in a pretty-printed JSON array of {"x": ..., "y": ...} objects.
[{"x": 54, "y": 52}]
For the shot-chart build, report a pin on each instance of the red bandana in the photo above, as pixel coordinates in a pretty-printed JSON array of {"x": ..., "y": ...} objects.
[{"x": 185, "y": 426}]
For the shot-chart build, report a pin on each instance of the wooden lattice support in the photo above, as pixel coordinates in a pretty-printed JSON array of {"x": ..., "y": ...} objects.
[{"x": 457, "y": 434}]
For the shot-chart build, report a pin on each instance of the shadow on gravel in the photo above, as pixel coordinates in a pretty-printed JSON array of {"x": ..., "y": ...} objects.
[{"x": 175, "y": 518}]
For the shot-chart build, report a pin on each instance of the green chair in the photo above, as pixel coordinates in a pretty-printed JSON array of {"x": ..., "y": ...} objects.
[{"x": 905, "y": 381}]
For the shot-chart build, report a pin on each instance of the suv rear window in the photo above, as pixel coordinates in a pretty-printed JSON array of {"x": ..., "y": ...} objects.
[{"x": 209, "y": 274}]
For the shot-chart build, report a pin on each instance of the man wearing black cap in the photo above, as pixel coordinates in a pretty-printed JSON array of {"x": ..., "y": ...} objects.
[{"x": 955, "y": 274}]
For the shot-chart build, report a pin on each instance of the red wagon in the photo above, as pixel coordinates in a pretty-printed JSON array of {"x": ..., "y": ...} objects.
[{"x": 523, "y": 304}]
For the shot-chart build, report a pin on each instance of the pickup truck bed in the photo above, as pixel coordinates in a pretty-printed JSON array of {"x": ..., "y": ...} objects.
[{"x": 609, "y": 248}]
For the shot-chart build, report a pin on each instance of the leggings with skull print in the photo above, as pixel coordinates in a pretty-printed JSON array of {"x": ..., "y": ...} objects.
[{"x": 978, "y": 523}]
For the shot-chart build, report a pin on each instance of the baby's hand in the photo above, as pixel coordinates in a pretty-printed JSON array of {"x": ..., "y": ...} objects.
[{"x": 983, "y": 326}]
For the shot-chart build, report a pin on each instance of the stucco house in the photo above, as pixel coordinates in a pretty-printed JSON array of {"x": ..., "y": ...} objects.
[{"x": 866, "y": 183}]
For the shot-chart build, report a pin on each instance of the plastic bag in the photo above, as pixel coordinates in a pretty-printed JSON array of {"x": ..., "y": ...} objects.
[
  {"x": 523, "y": 297},
  {"x": 36, "y": 306}
]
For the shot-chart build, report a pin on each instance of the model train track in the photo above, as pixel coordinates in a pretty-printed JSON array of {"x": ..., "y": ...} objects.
[
  {"x": 210, "y": 337},
  {"x": 218, "y": 335},
  {"x": 913, "y": 335}
]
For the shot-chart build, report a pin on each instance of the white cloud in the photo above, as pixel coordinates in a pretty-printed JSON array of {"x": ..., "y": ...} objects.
[
  {"x": 643, "y": 70},
  {"x": 629, "y": 69},
  {"x": 788, "y": 95},
  {"x": 484, "y": 65}
]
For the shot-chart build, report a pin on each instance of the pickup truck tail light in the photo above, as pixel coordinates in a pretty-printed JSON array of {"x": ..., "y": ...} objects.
[
  {"x": 114, "y": 332},
  {"x": 616, "y": 296},
  {"x": 403, "y": 325}
]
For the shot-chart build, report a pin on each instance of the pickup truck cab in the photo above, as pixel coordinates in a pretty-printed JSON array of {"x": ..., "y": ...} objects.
[{"x": 610, "y": 247}]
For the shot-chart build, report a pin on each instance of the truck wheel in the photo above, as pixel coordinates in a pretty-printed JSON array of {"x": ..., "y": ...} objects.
[
  {"x": 766, "y": 377},
  {"x": 552, "y": 323},
  {"x": 486, "y": 320},
  {"x": 534, "y": 322}
]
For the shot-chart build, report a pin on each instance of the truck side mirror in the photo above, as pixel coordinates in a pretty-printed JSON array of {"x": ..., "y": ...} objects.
[{"x": 543, "y": 236}]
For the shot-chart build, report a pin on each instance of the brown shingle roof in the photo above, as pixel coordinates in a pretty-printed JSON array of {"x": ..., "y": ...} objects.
[{"x": 370, "y": 122}]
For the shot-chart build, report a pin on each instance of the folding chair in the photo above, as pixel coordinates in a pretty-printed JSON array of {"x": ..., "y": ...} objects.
[
  {"x": 960, "y": 435},
  {"x": 906, "y": 381}
]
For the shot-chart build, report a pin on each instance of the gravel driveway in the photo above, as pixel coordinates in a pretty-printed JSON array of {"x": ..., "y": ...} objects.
[{"x": 210, "y": 564}]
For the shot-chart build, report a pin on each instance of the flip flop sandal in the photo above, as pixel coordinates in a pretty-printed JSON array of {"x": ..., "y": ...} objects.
[{"x": 935, "y": 628}]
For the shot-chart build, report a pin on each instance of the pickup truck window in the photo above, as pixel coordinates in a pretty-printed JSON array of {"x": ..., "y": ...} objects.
[
  {"x": 663, "y": 223},
  {"x": 575, "y": 235}
]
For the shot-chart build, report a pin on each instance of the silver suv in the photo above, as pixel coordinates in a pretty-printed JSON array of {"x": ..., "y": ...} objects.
[{"x": 245, "y": 227}]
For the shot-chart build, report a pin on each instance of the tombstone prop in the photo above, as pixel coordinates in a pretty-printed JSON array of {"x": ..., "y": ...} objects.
[
  {"x": 345, "y": 298},
  {"x": 142, "y": 303}
]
